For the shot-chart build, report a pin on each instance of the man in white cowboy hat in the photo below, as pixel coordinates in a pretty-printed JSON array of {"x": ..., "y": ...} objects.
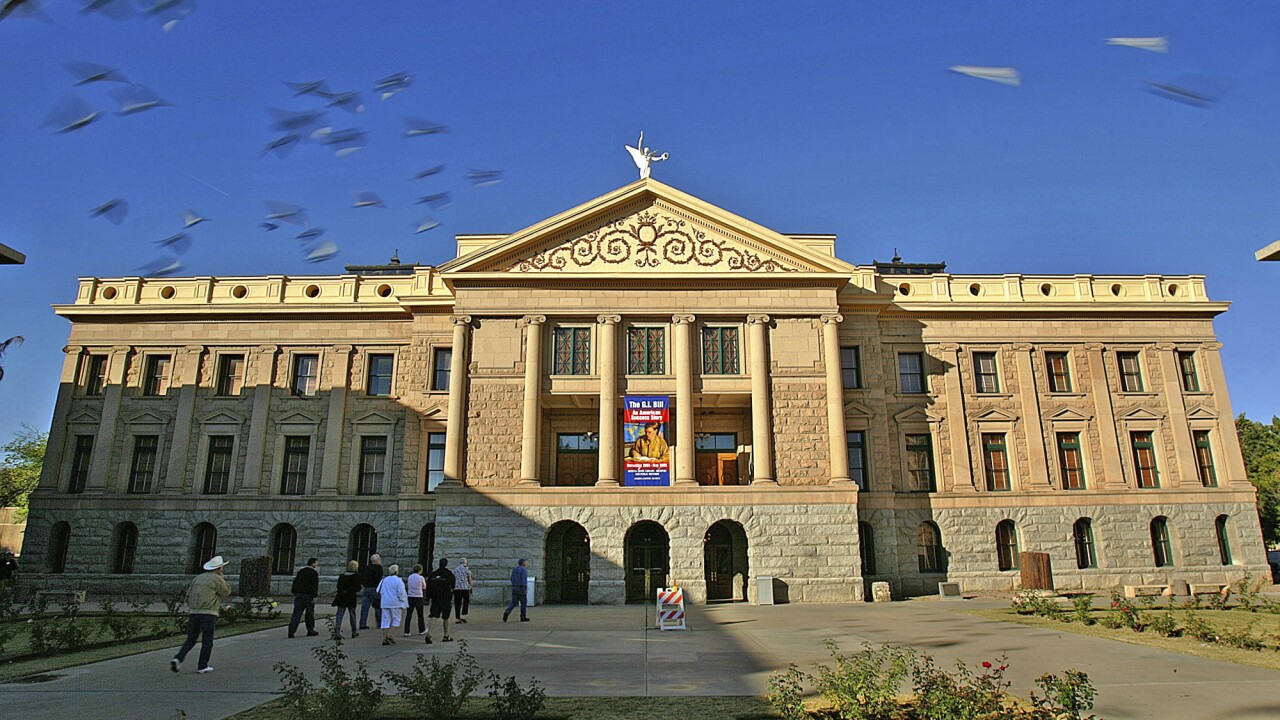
[{"x": 204, "y": 601}]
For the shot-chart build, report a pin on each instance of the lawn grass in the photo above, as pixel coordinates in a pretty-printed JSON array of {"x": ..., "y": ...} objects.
[
  {"x": 1267, "y": 626},
  {"x": 109, "y": 650},
  {"x": 580, "y": 708}
]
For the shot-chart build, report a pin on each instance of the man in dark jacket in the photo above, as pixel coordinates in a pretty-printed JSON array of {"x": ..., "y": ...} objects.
[
  {"x": 440, "y": 588},
  {"x": 370, "y": 578},
  {"x": 306, "y": 585}
]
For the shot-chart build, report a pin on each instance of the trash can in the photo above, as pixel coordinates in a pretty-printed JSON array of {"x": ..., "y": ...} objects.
[
  {"x": 764, "y": 590},
  {"x": 532, "y": 596}
]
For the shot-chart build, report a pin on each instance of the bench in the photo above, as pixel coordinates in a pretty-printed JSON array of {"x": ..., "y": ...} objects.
[
  {"x": 1133, "y": 591},
  {"x": 1209, "y": 588},
  {"x": 64, "y": 595}
]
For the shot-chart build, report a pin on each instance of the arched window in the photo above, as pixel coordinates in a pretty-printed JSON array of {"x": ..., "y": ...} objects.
[
  {"x": 427, "y": 546},
  {"x": 124, "y": 548},
  {"x": 867, "y": 548},
  {"x": 59, "y": 542},
  {"x": 1007, "y": 545},
  {"x": 284, "y": 543},
  {"x": 1082, "y": 534},
  {"x": 363, "y": 544},
  {"x": 929, "y": 550},
  {"x": 204, "y": 545},
  {"x": 1160, "y": 546},
  {"x": 1224, "y": 545}
]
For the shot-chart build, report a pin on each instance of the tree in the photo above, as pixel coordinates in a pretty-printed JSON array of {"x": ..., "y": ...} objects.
[
  {"x": 20, "y": 467},
  {"x": 4, "y": 345},
  {"x": 1260, "y": 445}
]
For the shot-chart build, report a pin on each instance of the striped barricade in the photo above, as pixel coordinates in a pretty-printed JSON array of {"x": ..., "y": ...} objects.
[{"x": 671, "y": 609}]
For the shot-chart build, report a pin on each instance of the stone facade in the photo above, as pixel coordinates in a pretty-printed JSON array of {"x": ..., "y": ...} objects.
[{"x": 429, "y": 405}]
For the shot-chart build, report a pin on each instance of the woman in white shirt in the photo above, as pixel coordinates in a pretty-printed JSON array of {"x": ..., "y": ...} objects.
[
  {"x": 395, "y": 600},
  {"x": 415, "y": 585}
]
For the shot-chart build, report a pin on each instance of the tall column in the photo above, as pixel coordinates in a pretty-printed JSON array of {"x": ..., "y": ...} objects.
[
  {"x": 1037, "y": 459},
  {"x": 259, "y": 374},
  {"x": 104, "y": 443},
  {"x": 607, "y": 476},
  {"x": 186, "y": 377},
  {"x": 531, "y": 430},
  {"x": 761, "y": 421},
  {"x": 962, "y": 476},
  {"x": 1184, "y": 452},
  {"x": 51, "y": 472},
  {"x": 335, "y": 419},
  {"x": 1230, "y": 459},
  {"x": 454, "y": 432},
  {"x": 1112, "y": 472},
  {"x": 837, "y": 444},
  {"x": 686, "y": 470}
]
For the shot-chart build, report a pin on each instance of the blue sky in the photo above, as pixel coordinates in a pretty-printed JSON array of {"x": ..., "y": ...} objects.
[{"x": 822, "y": 117}]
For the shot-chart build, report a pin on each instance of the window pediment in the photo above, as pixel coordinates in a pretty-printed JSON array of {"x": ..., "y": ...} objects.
[
  {"x": 147, "y": 418},
  {"x": 222, "y": 418},
  {"x": 84, "y": 417},
  {"x": 917, "y": 415},
  {"x": 1141, "y": 414},
  {"x": 994, "y": 415},
  {"x": 1068, "y": 414},
  {"x": 855, "y": 409},
  {"x": 1202, "y": 412}
]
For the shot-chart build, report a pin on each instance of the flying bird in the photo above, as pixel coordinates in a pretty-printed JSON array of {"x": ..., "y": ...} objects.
[
  {"x": 29, "y": 9},
  {"x": 313, "y": 87},
  {"x": 177, "y": 243},
  {"x": 323, "y": 251},
  {"x": 428, "y": 173},
  {"x": 349, "y": 101},
  {"x": 170, "y": 12},
  {"x": 484, "y": 178},
  {"x": 366, "y": 198},
  {"x": 191, "y": 218},
  {"x": 296, "y": 122},
  {"x": 1002, "y": 75},
  {"x": 70, "y": 114},
  {"x": 114, "y": 210},
  {"x": 281, "y": 146},
  {"x": 425, "y": 224},
  {"x": 286, "y": 212},
  {"x": 438, "y": 201},
  {"x": 393, "y": 84},
  {"x": 268, "y": 226},
  {"x": 136, "y": 99},
  {"x": 113, "y": 9},
  {"x": 1181, "y": 94},
  {"x": 1154, "y": 44},
  {"x": 345, "y": 142},
  {"x": 418, "y": 126},
  {"x": 161, "y": 267},
  {"x": 309, "y": 234},
  {"x": 86, "y": 72}
]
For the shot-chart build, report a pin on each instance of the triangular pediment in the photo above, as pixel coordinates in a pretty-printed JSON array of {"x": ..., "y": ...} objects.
[
  {"x": 646, "y": 228},
  {"x": 434, "y": 411},
  {"x": 917, "y": 414},
  {"x": 222, "y": 418},
  {"x": 853, "y": 408},
  {"x": 1202, "y": 412},
  {"x": 1069, "y": 414},
  {"x": 299, "y": 418},
  {"x": 147, "y": 418},
  {"x": 85, "y": 417},
  {"x": 1140, "y": 413},
  {"x": 994, "y": 415},
  {"x": 374, "y": 418}
]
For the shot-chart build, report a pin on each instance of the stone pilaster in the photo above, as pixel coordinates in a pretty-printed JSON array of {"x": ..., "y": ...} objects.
[
  {"x": 1112, "y": 470},
  {"x": 607, "y": 476},
  {"x": 259, "y": 374},
  {"x": 1230, "y": 459},
  {"x": 530, "y": 436},
  {"x": 1033, "y": 424},
  {"x": 51, "y": 471},
  {"x": 837, "y": 443},
  {"x": 104, "y": 444},
  {"x": 1184, "y": 452},
  {"x": 761, "y": 430},
  {"x": 685, "y": 462},
  {"x": 186, "y": 378},
  {"x": 455, "y": 432},
  {"x": 335, "y": 419},
  {"x": 962, "y": 477}
]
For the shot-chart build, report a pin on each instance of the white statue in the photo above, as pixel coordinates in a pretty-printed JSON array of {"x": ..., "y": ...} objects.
[{"x": 643, "y": 157}]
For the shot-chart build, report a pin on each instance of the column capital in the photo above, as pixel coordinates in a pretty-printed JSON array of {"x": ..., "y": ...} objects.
[
  {"x": 528, "y": 320},
  {"x": 193, "y": 349},
  {"x": 1214, "y": 345},
  {"x": 949, "y": 347},
  {"x": 831, "y": 319},
  {"x": 120, "y": 349},
  {"x": 1165, "y": 347},
  {"x": 758, "y": 319},
  {"x": 266, "y": 349},
  {"x": 73, "y": 349},
  {"x": 1095, "y": 347},
  {"x": 608, "y": 319},
  {"x": 1023, "y": 347},
  {"x": 460, "y": 319},
  {"x": 682, "y": 319},
  {"x": 343, "y": 349}
]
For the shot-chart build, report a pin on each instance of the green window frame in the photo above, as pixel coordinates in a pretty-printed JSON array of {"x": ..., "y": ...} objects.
[
  {"x": 1082, "y": 536},
  {"x": 850, "y": 367},
  {"x": 230, "y": 375},
  {"x": 1071, "y": 461},
  {"x": 1130, "y": 372},
  {"x": 297, "y": 453},
  {"x": 911, "y": 373},
  {"x": 647, "y": 351},
  {"x": 80, "y": 464},
  {"x": 1187, "y": 368},
  {"x": 920, "y": 475},
  {"x": 995, "y": 462},
  {"x": 572, "y": 347},
  {"x": 986, "y": 372},
  {"x": 1204, "y": 459},
  {"x": 720, "y": 351},
  {"x": 1224, "y": 542},
  {"x": 1059, "y": 370},
  {"x": 380, "y": 374},
  {"x": 435, "y": 459},
  {"x": 856, "y": 446},
  {"x": 95, "y": 374},
  {"x": 1006, "y": 545},
  {"x": 1161, "y": 548},
  {"x": 373, "y": 464},
  {"x": 155, "y": 382},
  {"x": 441, "y": 363},
  {"x": 217, "y": 466},
  {"x": 1144, "y": 459},
  {"x": 143, "y": 468}
]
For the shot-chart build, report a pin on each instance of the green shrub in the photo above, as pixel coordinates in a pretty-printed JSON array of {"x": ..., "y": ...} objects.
[
  {"x": 121, "y": 626},
  {"x": 1033, "y": 602},
  {"x": 962, "y": 696},
  {"x": 864, "y": 685},
  {"x": 1165, "y": 624},
  {"x": 1249, "y": 593},
  {"x": 786, "y": 693},
  {"x": 1125, "y": 614},
  {"x": 439, "y": 690},
  {"x": 1083, "y": 608},
  {"x": 1197, "y": 628},
  {"x": 1066, "y": 697},
  {"x": 510, "y": 701},
  {"x": 342, "y": 694},
  {"x": 1246, "y": 638}
]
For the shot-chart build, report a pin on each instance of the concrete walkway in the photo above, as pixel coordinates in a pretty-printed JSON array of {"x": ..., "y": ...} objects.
[{"x": 729, "y": 650}]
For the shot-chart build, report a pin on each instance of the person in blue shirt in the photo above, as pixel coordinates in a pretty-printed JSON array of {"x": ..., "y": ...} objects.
[{"x": 519, "y": 593}]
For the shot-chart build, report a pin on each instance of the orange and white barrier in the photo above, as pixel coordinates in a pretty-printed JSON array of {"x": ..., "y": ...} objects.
[{"x": 671, "y": 609}]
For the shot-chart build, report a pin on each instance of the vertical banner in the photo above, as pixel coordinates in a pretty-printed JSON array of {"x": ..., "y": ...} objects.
[{"x": 647, "y": 459}]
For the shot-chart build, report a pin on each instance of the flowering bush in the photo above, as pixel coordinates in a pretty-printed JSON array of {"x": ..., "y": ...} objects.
[
  {"x": 1033, "y": 602},
  {"x": 962, "y": 696},
  {"x": 1165, "y": 624},
  {"x": 1125, "y": 613},
  {"x": 1083, "y": 608},
  {"x": 1199, "y": 629}
]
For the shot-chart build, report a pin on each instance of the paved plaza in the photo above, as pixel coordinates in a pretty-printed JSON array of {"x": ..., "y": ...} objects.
[{"x": 728, "y": 650}]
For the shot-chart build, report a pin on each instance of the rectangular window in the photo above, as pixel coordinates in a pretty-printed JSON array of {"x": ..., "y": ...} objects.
[
  {"x": 80, "y": 463},
  {"x": 378, "y": 383},
  {"x": 217, "y": 469},
  {"x": 911, "y": 373},
  {"x": 716, "y": 458},
  {"x": 1204, "y": 459},
  {"x": 577, "y": 459},
  {"x": 1144, "y": 459},
  {"x": 1070, "y": 461},
  {"x": 995, "y": 460},
  {"x": 1059, "y": 372},
  {"x": 373, "y": 464},
  {"x": 850, "y": 368},
  {"x": 1187, "y": 366},
  {"x": 230, "y": 375},
  {"x": 435, "y": 459},
  {"x": 984, "y": 372},
  {"x": 1130, "y": 372},
  {"x": 95, "y": 374},
  {"x": 156, "y": 379},
  {"x": 646, "y": 351},
  {"x": 297, "y": 449},
  {"x": 920, "y": 464},
  {"x": 572, "y": 351},
  {"x": 856, "y": 443},
  {"x": 306, "y": 375},
  {"x": 441, "y": 363},
  {"x": 143, "y": 467},
  {"x": 720, "y": 351}
]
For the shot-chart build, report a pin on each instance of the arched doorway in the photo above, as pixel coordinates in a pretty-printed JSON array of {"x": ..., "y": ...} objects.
[
  {"x": 648, "y": 560},
  {"x": 724, "y": 557},
  {"x": 568, "y": 563}
]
